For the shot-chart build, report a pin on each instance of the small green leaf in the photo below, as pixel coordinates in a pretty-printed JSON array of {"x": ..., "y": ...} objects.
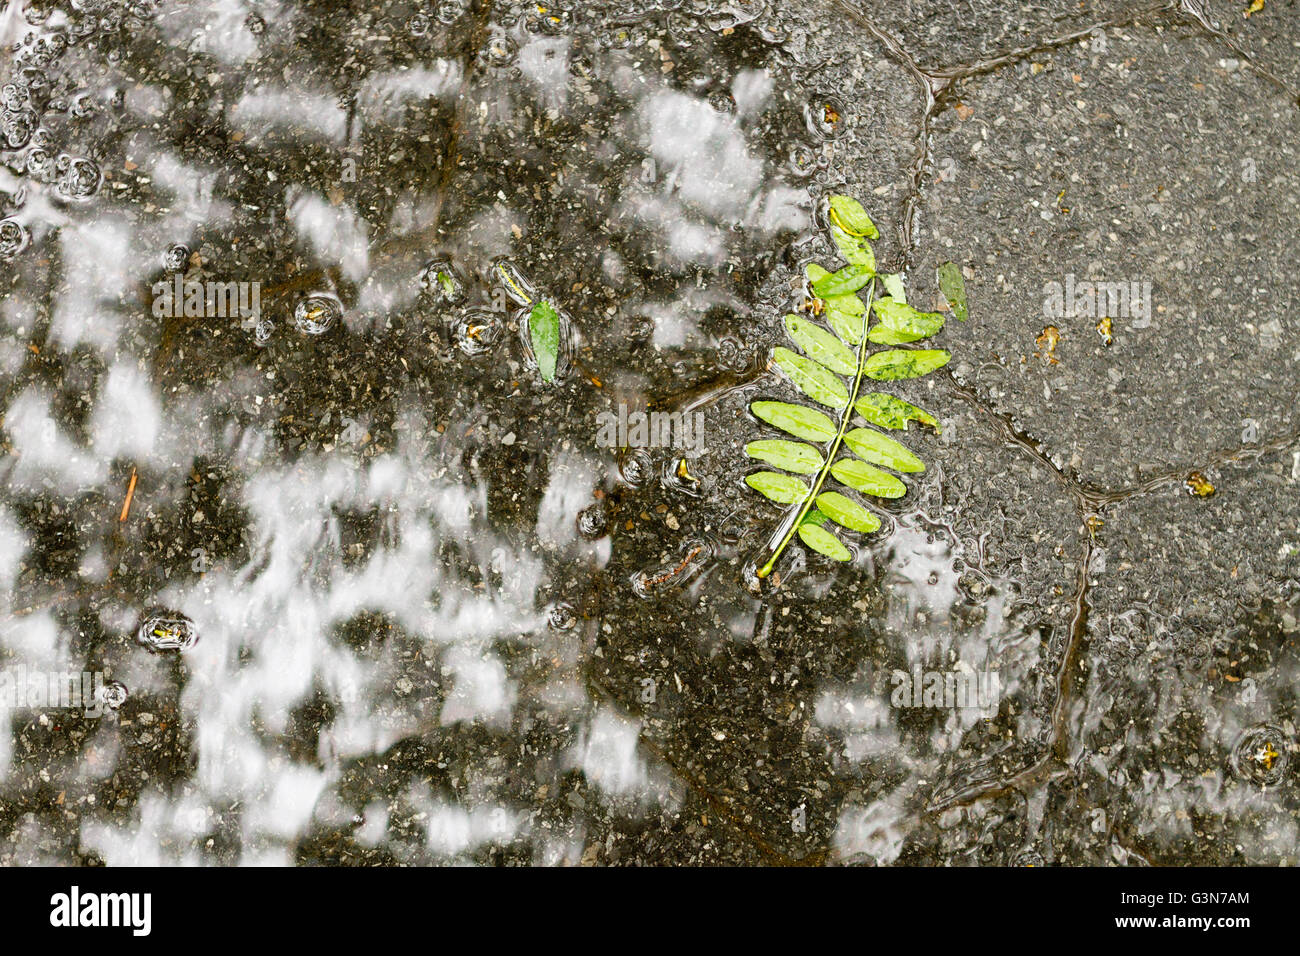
[
  {"x": 816, "y": 381},
  {"x": 902, "y": 318},
  {"x": 823, "y": 542},
  {"x": 856, "y": 249},
  {"x": 953, "y": 288},
  {"x": 869, "y": 480},
  {"x": 783, "y": 489},
  {"x": 806, "y": 423},
  {"x": 847, "y": 513},
  {"x": 815, "y": 517},
  {"x": 883, "y": 335},
  {"x": 790, "y": 455},
  {"x": 821, "y": 345},
  {"x": 544, "y": 336},
  {"x": 882, "y": 450},
  {"x": 893, "y": 283},
  {"x": 815, "y": 273},
  {"x": 890, "y": 412},
  {"x": 848, "y": 214},
  {"x": 844, "y": 314},
  {"x": 849, "y": 279},
  {"x": 904, "y": 363}
]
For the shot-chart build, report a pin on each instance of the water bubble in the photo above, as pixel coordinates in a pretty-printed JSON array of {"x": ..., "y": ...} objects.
[
  {"x": 13, "y": 238},
  {"x": 826, "y": 116},
  {"x": 550, "y": 19},
  {"x": 512, "y": 279},
  {"x": 112, "y": 695},
  {"x": 501, "y": 49},
  {"x": 19, "y": 125},
  {"x": 678, "y": 476},
  {"x": 419, "y": 25},
  {"x": 167, "y": 631},
  {"x": 477, "y": 331},
  {"x": 81, "y": 180},
  {"x": 177, "y": 258},
  {"x": 316, "y": 314},
  {"x": 256, "y": 25},
  {"x": 676, "y": 573},
  {"x": 561, "y": 617},
  {"x": 449, "y": 11},
  {"x": 803, "y": 160},
  {"x": 263, "y": 329},
  {"x": 722, "y": 101},
  {"x": 441, "y": 279},
  {"x": 636, "y": 467},
  {"x": 593, "y": 521},
  {"x": 1261, "y": 755}
]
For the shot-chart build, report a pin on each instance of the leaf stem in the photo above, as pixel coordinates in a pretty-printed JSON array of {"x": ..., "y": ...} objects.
[{"x": 789, "y": 533}]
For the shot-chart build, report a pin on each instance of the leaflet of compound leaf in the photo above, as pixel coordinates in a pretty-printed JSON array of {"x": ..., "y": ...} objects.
[{"x": 829, "y": 369}]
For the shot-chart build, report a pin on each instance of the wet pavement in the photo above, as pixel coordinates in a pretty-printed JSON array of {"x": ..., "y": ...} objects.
[{"x": 351, "y": 582}]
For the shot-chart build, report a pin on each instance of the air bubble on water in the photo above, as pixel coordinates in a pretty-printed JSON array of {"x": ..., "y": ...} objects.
[
  {"x": 316, "y": 314},
  {"x": 177, "y": 258},
  {"x": 563, "y": 358},
  {"x": 419, "y": 25},
  {"x": 1261, "y": 755},
  {"x": 13, "y": 238},
  {"x": 679, "y": 475},
  {"x": 636, "y": 468},
  {"x": 803, "y": 160},
  {"x": 263, "y": 329},
  {"x": 593, "y": 521},
  {"x": 476, "y": 331},
  {"x": 826, "y": 116},
  {"x": 167, "y": 631},
  {"x": 80, "y": 180},
  {"x": 112, "y": 695},
  {"x": 501, "y": 49},
  {"x": 449, "y": 11},
  {"x": 550, "y": 19},
  {"x": 256, "y": 25},
  {"x": 19, "y": 125},
  {"x": 561, "y": 616},
  {"x": 512, "y": 279},
  {"x": 722, "y": 101},
  {"x": 677, "y": 572},
  {"x": 441, "y": 280}
]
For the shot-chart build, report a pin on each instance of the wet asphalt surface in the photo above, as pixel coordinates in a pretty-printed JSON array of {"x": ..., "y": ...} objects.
[{"x": 431, "y": 618}]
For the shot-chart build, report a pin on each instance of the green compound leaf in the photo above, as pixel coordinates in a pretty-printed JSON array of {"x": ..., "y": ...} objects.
[
  {"x": 544, "y": 336},
  {"x": 783, "y": 489},
  {"x": 806, "y": 423},
  {"x": 905, "y": 321},
  {"x": 849, "y": 279},
  {"x": 886, "y": 411},
  {"x": 821, "y": 346},
  {"x": 844, "y": 314},
  {"x": 867, "y": 479},
  {"x": 816, "y": 381},
  {"x": 847, "y": 513},
  {"x": 847, "y": 213},
  {"x": 823, "y": 542},
  {"x": 790, "y": 455},
  {"x": 904, "y": 363},
  {"x": 817, "y": 373},
  {"x": 855, "y": 249},
  {"x": 953, "y": 288},
  {"x": 880, "y": 449}
]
